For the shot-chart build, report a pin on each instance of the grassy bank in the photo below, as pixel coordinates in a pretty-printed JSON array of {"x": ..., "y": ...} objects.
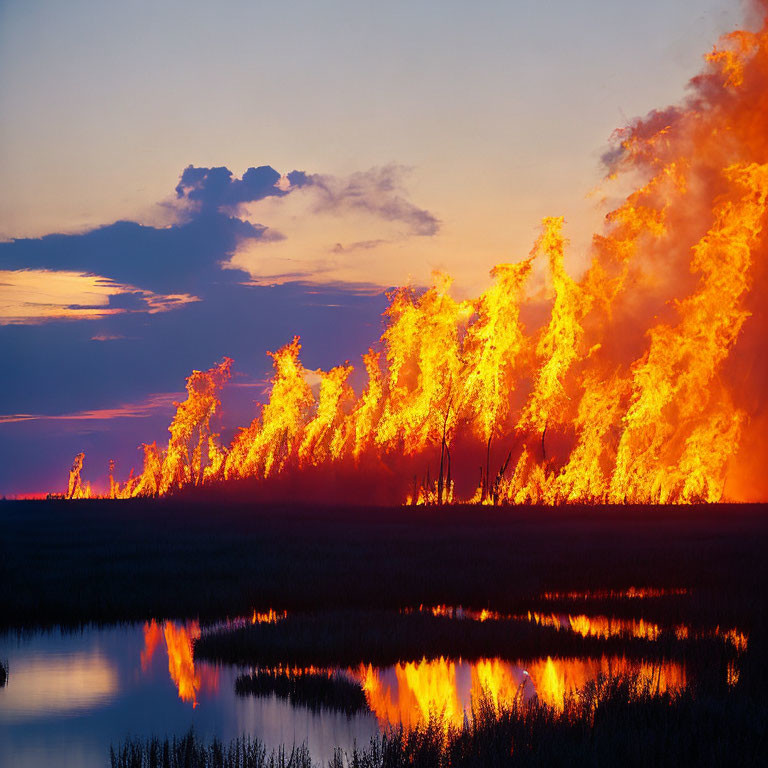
[
  {"x": 348, "y": 638},
  {"x": 315, "y": 691}
]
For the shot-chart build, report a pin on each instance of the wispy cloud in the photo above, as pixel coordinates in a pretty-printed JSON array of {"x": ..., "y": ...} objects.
[
  {"x": 161, "y": 401},
  {"x": 359, "y": 245},
  {"x": 377, "y": 191}
]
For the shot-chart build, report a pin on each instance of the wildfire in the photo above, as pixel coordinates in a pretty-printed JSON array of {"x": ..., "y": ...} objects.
[{"x": 642, "y": 386}]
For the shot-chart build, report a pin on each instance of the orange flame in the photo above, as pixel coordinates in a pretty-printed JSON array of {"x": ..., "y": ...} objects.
[
  {"x": 644, "y": 385},
  {"x": 76, "y": 489}
]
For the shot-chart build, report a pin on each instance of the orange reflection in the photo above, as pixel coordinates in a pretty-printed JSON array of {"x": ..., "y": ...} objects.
[
  {"x": 152, "y": 636},
  {"x": 269, "y": 617},
  {"x": 409, "y": 693},
  {"x": 598, "y": 626},
  {"x": 179, "y": 639},
  {"x": 555, "y": 679},
  {"x": 459, "y": 612},
  {"x": 592, "y": 626},
  {"x": 633, "y": 593},
  {"x": 732, "y": 673}
]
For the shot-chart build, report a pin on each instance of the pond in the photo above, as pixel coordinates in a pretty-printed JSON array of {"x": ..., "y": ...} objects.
[{"x": 70, "y": 695}]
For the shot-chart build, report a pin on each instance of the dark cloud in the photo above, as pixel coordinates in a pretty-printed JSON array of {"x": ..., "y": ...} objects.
[
  {"x": 188, "y": 256},
  {"x": 183, "y": 257},
  {"x": 215, "y": 188},
  {"x": 299, "y": 179}
]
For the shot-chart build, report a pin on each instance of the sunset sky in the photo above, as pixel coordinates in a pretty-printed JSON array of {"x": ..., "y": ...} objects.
[{"x": 188, "y": 180}]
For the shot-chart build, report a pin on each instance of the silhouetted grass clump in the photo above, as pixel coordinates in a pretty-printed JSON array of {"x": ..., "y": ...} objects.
[
  {"x": 314, "y": 691},
  {"x": 3, "y": 673},
  {"x": 190, "y": 752}
]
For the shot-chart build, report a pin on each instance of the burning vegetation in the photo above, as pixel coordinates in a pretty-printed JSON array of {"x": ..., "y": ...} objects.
[{"x": 640, "y": 382}]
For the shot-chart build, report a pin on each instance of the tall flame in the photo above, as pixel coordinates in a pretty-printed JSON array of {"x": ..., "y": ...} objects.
[{"x": 645, "y": 385}]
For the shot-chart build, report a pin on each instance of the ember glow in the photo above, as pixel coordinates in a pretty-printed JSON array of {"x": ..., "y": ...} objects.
[{"x": 642, "y": 381}]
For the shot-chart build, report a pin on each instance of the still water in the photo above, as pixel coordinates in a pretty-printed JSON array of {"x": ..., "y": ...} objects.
[{"x": 69, "y": 696}]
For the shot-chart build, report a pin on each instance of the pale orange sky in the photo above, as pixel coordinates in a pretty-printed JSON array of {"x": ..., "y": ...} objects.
[{"x": 500, "y": 110}]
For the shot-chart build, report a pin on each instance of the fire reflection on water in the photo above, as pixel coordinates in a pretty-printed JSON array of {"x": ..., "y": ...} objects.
[
  {"x": 410, "y": 693},
  {"x": 178, "y": 639},
  {"x": 601, "y": 627}
]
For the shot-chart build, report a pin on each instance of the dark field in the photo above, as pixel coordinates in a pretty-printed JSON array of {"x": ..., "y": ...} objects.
[
  {"x": 105, "y": 561},
  {"x": 344, "y": 576}
]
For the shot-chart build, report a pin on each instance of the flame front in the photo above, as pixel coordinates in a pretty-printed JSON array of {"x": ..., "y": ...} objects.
[{"x": 645, "y": 384}]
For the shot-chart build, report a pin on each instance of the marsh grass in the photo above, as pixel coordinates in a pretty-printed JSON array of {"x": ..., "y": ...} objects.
[
  {"x": 315, "y": 691},
  {"x": 3, "y": 673},
  {"x": 612, "y": 721},
  {"x": 189, "y": 752}
]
